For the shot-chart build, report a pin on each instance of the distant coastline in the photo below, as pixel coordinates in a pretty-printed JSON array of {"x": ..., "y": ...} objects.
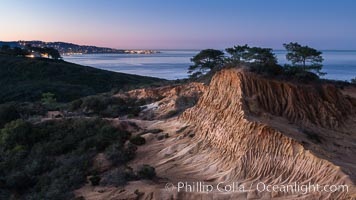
[
  {"x": 65, "y": 48},
  {"x": 173, "y": 64}
]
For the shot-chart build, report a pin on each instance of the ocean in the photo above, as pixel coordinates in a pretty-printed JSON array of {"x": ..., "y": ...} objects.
[{"x": 173, "y": 64}]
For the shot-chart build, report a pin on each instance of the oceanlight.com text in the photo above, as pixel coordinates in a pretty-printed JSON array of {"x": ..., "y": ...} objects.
[{"x": 224, "y": 187}]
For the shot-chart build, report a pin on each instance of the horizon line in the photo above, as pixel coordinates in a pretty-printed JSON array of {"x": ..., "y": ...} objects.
[{"x": 162, "y": 49}]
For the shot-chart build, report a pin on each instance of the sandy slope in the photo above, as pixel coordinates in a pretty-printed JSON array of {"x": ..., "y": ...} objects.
[{"x": 249, "y": 130}]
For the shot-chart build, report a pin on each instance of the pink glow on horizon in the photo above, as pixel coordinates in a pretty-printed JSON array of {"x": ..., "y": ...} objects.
[{"x": 180, "y": 24}]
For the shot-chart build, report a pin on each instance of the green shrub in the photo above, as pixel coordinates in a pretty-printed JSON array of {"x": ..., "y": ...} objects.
[
  {"x": 50, "y": 159},
  {"x": 161, "y": 137},
  {"x": 299, "y": 74},
  {"x": 108, "y": 106},
  {"x": 28, "y": 110},
  {"x": 8, "y": 112},
  {"x": 146, "y": 172},
  {"x": 171, "y": 113},
  {"x": 111, "y": 111},
  {"x": 118, "y": 153},
  {"x": 118, "y": 177},
  {"x": 269, "y": 70},
  {"x": 108, "y": 134},
  {"x": 138, "y": 193},
  {"x": 95, "y": 103},
  {"x": 75, "y": 105},
  {"x": 135, "y": 110},
  {"x": 19, "y": 181},
  {"x": 153, "y": 131},
  {"x": 95, "y": 180},
  {"x": 48, "y": 98},
  {"x": 184, "y": 102},
  {"x": 353, "y": 80},
  {"x": 138, "y": 140},
  {"x": 16, "y": 133},
  {"x": 181, "y": 130},
  {"x": 130, "y": 151},
  {"x": 130, "y": 116}
]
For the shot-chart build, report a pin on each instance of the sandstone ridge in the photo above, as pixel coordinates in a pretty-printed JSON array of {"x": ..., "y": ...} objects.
[{"x": 255, "y": 130}]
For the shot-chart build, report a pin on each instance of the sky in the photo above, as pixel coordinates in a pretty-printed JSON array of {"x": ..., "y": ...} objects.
[{"x": 182, "y": 24}]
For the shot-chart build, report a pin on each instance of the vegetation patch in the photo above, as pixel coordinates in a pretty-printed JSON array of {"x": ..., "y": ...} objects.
[
  {"x": 27, "y": 79},
  {"x": 306, "y": 62},
  {"x": 108, "y": 106},
  {"x": 50, "y": 159},
  {"x": 146, "y": 172},
  {"x": 153, "y": 131},
  {"x": 353, "y": 81},
  {"x": 138, "y": 140}
]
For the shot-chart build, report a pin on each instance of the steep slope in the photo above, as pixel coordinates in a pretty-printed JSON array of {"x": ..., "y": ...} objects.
[
  {"x": 249, "y": 131},
  {"x": 321, "y": 105},
  {"x": 25, "y": 79},
  {"x": 246, "y": 123}
]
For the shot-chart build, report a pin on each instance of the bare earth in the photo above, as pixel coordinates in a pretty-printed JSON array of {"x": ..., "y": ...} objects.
[{"x": 246, "y": 130}]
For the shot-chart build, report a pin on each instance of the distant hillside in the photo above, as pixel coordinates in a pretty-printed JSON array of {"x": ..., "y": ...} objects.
[
  {"x": 25, "y": 79},
  {"x": 69, "y": 48}
]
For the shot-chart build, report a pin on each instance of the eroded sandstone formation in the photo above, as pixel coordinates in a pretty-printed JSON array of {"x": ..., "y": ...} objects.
[
  {"x": 252, "y": 129},
  {"x": 245, "y": 129},
  {"x": 166, "y": 99}
]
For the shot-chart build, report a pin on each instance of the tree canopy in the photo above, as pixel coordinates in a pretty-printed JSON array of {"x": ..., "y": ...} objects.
[
  {"x": 306, "y": 61},
  {"x": 238, "y": 53},
  {"x": 255, "y": 55},
  {"x": 353, "y": 80},
  {"x": 16, "y": 51},
  {"x": 205, "y": 61},
  {"x": 263, "y": 56},
  {"x": 257, "y": 59},
  {"x": 306, "y": 58},
  {"x": 5, "y": 47},
  {"x": 51, "y": 52}
]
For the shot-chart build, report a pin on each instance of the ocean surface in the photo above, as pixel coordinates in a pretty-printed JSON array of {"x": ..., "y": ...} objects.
[{"x": 173, "y": 64}]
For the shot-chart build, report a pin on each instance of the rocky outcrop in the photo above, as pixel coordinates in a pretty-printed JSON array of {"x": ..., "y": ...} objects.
[
  {"x": 253, "y": 128},
  {"x": 168, "y": 100},
  {"x": 165, "y": 91},
  {"x": 322, "y": 105},
  {"x": 248, "y": 130}
]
